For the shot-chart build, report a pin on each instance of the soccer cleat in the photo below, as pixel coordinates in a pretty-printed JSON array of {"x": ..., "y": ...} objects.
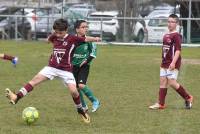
[
  {"x": 14, "y": 61},
  {"x": 188, "y": 102},
  {"x": 156, "y": 106},
  {"x": 11, "y": 96},
  {"x": 85, "y": 109},
  {"x": 95, "y": 105},
  {"x": 84, "y": 115}
]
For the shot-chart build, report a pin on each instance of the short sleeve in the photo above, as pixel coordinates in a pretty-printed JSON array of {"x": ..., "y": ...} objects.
[
  {"x": 177, "y": 41},
  {"x": 51, "y": 37},
  {"x": 76, "y": 40}
]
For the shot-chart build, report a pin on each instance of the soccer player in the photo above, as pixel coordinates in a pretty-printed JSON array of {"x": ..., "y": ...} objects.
[
  {"x": 82, "y": 58},
  {"x": 13, "y": 59},
  {"x": 170, "y": 65},
  {"x": 59, "y": 66}
]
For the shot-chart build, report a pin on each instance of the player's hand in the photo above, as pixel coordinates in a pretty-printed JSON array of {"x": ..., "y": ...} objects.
[
  {"x": 97, "y": 39},
  {"x": 172, "y": 66},
  {"x": 83, "y": 63}
]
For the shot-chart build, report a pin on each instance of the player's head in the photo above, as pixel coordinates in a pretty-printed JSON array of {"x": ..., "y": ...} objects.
[
  {"x": 60, "y": 27},
  {"x": 81, "y": 27},
  {"x": 172, "y": 22}
]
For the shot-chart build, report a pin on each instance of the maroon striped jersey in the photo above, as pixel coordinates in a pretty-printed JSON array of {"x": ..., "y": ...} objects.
[
  {"x": 63, "y": 51},
  {"x": 171, "y": 43}
]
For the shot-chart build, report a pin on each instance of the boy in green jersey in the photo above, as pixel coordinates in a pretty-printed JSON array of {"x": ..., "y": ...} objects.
[{"x": 82, "y": 58}]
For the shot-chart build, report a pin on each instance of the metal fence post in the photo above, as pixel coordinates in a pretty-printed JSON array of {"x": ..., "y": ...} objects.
[
  {"x": 189, "y": 23},
  {"x": 16, "y": 30}
]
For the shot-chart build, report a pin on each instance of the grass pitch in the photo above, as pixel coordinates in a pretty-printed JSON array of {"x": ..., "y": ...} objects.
[{"x": 125, "y": 79}]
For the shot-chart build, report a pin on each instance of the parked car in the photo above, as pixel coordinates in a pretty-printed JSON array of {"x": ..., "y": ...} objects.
[
  {"x": 44, "y": 25},
  {"x": 158, "y": 27},
  {"x": 35, "y": 14},
  {"x": 163, "y": 9},
  {"x": 139, "y": 31},
  {"x": 103, "y": 23},
  {"x": 84, "y": 5},
  {"x": 84, "y": 12},
  {"x": 8, "y": 25}
]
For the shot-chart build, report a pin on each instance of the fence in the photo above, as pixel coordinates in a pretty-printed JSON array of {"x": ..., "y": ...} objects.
[{"x": 115, "y": 29}]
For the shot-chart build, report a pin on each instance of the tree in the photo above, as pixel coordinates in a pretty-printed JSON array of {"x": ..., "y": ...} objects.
[{"x": 127, "y": 8}]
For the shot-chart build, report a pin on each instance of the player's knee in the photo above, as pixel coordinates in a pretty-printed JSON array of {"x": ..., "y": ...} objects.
[
  {"x": 173, "y": 83},
  {"x": 74, "y": 93},
  {"x": 81, "y": 86}
]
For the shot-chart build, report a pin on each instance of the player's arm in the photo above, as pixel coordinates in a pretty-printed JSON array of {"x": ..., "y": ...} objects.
[
  {"x": 77, "y": 40},
  {"x": 88, "y": 60},
  {"x": 92, "y": 39},
  {"x": 50, "y": 38},
  {"x": 92, "y": 49},
  {"x": 173, "y": 63},
  {"x": 177, "y": 52}
]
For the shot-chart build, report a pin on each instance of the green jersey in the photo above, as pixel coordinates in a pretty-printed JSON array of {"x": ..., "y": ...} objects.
[{"x": 82, "y": 52}]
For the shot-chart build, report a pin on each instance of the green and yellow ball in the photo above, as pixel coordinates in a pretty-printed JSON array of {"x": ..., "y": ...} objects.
[{"x": 30, "y": 115}]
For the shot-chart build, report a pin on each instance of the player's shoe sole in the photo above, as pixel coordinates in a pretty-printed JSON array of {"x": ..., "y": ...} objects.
[
  {"x": 85, "y": 117},
  {"x": 11, "y": 96},
  {"x": 156, "y": 106},
  {"x": 188, "y": 103}
]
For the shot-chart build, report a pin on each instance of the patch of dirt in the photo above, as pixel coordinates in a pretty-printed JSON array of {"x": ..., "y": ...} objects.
[
  {"x": 191, "y": 61},
  {"x": 185, "y": 61}
]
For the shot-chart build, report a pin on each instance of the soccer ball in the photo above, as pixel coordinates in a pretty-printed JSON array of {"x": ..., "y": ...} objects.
[{"x": 30, "y": 115}]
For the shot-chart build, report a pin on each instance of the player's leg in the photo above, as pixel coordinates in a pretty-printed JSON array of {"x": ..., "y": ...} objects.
[
  {"x": 76, "y": 74},
  {"x": 45, "y": 74},
  {"x": 85, "y": 107},
  {"x": 76, "y": 98},
  {"x": 172, "y": 81},
  {"x": 162, "y": 91},
  {"x": 69, "y": 81},
  {"x": 82, "y": 79},
  {"x": 14, "y": 97},
  {"x": 13, "y": 59}
]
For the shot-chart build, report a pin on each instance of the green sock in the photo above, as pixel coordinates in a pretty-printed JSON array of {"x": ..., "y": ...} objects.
[
  {"x": 86, "y": 90},
  {"x": 82, "y": 99}
]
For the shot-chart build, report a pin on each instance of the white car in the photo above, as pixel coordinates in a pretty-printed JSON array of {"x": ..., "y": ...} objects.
[
  {"x": 33, "y": 16},
  {"x": 139, "y": 31},
  {"x": 156, "y": 28},
  {"x": 103, "y": 23}
]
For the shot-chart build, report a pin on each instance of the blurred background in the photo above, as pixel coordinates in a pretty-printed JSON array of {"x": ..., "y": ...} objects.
[{"x": 143, "y": 21}]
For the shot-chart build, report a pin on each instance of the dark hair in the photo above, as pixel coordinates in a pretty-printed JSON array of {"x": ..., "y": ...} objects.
[
  {"x": 174, "y": 16},
  {"x": 60, "y": 24},
  {"x": 78, "y": 23}
]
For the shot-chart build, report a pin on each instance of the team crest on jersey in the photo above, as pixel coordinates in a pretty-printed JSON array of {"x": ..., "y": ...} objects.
[
  {"x": 169, "y": 40},
  {"x": 64, "y": 43}
]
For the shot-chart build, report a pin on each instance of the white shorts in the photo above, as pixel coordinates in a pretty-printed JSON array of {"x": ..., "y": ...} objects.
[
  {"x": 51, "y": 73},
  {"x": 170, "y": 74}
]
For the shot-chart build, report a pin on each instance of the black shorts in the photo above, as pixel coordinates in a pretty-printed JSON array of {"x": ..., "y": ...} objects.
[{"x": 81, "y": 74}]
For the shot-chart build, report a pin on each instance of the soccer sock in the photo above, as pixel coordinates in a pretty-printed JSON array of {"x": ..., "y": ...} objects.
[
  {"x": 162, "y": 94},
  {"x": 86, "y": 90},
  {"x": 24, "y": 90},
  {"x": 82, "y": 99},
  {"x": 77, "y": 101},
  {"x": 8, "y": 57},
  {"x": 182, "y": 92}
]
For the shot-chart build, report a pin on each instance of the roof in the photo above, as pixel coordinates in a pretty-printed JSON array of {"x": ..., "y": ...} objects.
[{"x": 111, "y": 13}]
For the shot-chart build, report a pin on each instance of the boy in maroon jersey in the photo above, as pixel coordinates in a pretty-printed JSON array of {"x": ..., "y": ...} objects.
[
  {"x": 170, "y": 65},
  {"x": 59, "y": 66},
  {"x": 13, "y": 59}
]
